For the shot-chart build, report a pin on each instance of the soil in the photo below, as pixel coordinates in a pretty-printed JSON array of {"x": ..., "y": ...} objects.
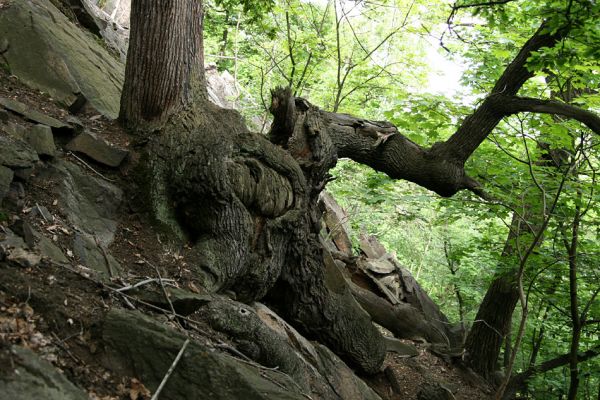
[{"x": 57, "y": 310}]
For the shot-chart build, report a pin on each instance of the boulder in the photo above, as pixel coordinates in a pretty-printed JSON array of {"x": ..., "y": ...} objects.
[
  {"x": 33, "y": 378},
  {"x": 16, "y": 154},
  {"x": 23, "y": 257},
  {"x": 137, "y": 345},
  {"x": 41, "y": 139},
  {"x": 90, "y": 203},
  {"x": 9, "y": 241},
  {"x": 49, "y": 53},
  {"x": 91, "y": 255},
  {"x": 97, "y": 149},
  {"x": 13, "y": 129},
  {"x": 112, "y": 21},
  {"x": 49, "y": 250},
  {"x": 434, "y": 391},
  {"x": 400, "y": 348}
]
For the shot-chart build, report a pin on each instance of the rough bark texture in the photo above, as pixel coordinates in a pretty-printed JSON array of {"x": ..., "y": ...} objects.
[
  {"x": 491, "y": 325},
  {"x": 165, "y": 56},
  {"x": 248, "y": 207}
]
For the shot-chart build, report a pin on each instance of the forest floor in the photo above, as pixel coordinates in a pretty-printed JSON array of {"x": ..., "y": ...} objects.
[{"x": 55, "y": 309}]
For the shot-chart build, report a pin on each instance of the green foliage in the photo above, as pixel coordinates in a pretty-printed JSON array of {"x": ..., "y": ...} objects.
[{"x": 453, "y": 244}]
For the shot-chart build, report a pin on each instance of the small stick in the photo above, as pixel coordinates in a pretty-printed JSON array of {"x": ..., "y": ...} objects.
[
  {"x": 162, "y": 286},
  {"x": 142, "y": 283},
  {"x": 170, "y": 371},
  {"x": 60, "y": 343},
  {"x": 91, "y": 168}
]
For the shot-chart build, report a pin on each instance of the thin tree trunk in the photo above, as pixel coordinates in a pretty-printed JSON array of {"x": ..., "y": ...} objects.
[{"x": 574, "y": 304}]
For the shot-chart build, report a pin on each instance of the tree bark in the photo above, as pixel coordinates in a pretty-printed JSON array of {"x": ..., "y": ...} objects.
[
  {"x": 491, "y": 325},
  {"x": 247, "y": 207},
  {"x": 164, "y": 59}
]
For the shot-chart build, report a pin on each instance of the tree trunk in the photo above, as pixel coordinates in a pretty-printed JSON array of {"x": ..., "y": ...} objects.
[
  {"x": 491, "y": 325},
  {"x": 164, "y": 59},
  {"x": 247, "y": 207}
]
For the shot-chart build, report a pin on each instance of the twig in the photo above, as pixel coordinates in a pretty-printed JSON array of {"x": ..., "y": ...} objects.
[
  {"x": 60, "y": 344},
  {"x": 142, "y": 283},
  {"x": 171, "y": 369},
  {"x": 164, "y": 291},
  {"x": 91, "y": 168},
  {"x": 40, "y": 212}
]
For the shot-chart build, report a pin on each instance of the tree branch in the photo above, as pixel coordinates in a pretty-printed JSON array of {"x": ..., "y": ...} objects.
[
  {"x": 519, "y": 381},
  {"x": 521, "y": 104},
  {"x": 478, "y": 125},
  {"x": 483, "y": 4}
]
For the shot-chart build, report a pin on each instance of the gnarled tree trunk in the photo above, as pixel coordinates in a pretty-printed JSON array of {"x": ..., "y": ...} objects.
[{"x": 247, "y": 206}]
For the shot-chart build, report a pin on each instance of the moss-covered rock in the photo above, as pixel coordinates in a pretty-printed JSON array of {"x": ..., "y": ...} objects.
[
  {"x": 33, "y": 378},
  {"x": 49, "y": 53}
]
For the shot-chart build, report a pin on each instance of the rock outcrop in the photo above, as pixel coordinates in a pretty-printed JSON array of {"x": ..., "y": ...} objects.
[
  {"x": 33, "y": 378},
  {"x": 51, "y": 54}
]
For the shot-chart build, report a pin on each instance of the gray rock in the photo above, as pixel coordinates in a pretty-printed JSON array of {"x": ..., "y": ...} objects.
[
  {"x": 24, "y": 230},
  {"x": 112, "y": 19},
  {"x": 138, "y": 346},
  {"x": 6, "y": 177},
  {"x": 49, "y": 53},
  {"x": 75, "y": 123},
  {"x": 434, "y": 391},
  {"x": 97, "y": 149},
  {"x": 29, "y": 113},
  {"x": 13, "y": 200},
  {"x": 49, "y": 250},
  {"x": 10, "y": 241},
  {"x": 34, "y": 378},
  {"x": 41, "y": 139},
  {"x": 23, "y": 173},
  {"x": 92, "y": 256},
  {"x": 400, "y": 348},
  {"x": 16, "y": 154},
  {"x": 3, "y": 116},
  {"x": 90, "y": 204},
  {"x": 15, "y": 130},
  {"x": 43, "y": 213}
]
